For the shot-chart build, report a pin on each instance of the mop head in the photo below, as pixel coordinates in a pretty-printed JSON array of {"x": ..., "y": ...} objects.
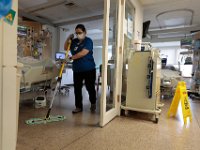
[{"x": 33, "y": 121}]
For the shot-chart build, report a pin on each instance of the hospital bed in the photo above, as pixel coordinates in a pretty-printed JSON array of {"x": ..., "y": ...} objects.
[
  {"x": 169, "y": 81},
  {"x": 37, "y": 73}
]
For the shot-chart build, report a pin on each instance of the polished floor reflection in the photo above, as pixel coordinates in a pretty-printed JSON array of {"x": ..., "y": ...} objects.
[{"x": 81, "y": 131}]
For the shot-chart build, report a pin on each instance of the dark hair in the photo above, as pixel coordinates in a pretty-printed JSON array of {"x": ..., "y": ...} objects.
[{"x": 81, "y": 26}]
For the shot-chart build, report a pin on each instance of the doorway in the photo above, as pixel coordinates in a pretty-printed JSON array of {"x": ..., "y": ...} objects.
[
  {"x": 65, "y": 102},
  {"x": 109, "y": 88},
  {"x": 109, "y": 65},
  {"x": 110, "y": 104}
]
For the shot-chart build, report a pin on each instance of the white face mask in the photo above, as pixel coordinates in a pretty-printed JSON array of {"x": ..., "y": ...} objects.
[{"x": 81, "y": 36}]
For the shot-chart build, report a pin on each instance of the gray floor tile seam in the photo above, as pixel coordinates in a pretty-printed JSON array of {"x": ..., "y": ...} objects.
[{"x": 79, "y": 138}]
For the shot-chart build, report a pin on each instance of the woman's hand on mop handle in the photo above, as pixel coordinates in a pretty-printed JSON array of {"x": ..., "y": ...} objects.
[
  {"x": 68, "y": 42},
  {"x": 71, "y": 37}
]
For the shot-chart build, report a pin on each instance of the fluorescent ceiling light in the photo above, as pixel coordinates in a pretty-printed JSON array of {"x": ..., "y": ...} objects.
[{"x": 174, "y": 22}]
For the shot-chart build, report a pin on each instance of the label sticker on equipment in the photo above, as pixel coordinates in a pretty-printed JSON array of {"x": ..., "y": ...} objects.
[{"x": 9, "y": 18}]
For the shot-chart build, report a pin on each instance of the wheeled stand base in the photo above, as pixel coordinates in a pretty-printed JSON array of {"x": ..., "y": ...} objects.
[{"x": 156, "y": 112}]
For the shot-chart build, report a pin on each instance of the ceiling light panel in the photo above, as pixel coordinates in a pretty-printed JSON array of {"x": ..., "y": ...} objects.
[{"x": 175, "y": 18}]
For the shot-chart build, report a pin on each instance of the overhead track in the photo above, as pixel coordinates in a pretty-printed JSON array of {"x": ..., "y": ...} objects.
[
  {"x": 186, "y": 29},
  {"x": 92, "y": 18}
]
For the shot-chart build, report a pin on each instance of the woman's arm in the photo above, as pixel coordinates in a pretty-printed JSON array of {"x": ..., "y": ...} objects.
[{"x": 80, "y": 54}]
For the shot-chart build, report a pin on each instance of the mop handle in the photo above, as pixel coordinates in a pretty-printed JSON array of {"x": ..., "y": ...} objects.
[
  {"x": 66, "y": 55},
  {"x": 59, "y": 79}
]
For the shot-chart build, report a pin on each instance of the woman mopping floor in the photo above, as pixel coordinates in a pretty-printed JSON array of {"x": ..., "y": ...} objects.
[
  {"x": 49, "y": 118},
  {"x": 83, "y": 67}
]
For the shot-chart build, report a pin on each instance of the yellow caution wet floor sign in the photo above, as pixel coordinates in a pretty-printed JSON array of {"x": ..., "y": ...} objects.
[{"x": 181, "y": 95}]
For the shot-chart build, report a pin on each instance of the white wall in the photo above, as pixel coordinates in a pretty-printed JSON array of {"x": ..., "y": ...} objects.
[
  {"x": 8, "y": 83},
  {"x": 55, "y": 39},
  {"x": 171, "y": 49},
  {"x": 172, "y": 53},
  {"x": 138, "y": 19},
  {"x": 1, "y": 82},
  {"x": 62, "y": 36}
]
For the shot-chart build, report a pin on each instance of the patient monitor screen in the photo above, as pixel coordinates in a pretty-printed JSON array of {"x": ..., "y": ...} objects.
[{"x": 60, "y": 56}]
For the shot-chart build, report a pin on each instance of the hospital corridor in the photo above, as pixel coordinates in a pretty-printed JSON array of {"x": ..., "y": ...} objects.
[{"x": 99, "y": 75}]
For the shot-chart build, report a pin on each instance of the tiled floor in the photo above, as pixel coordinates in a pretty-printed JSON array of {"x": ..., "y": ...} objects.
[{"x": 81, "y": 131}]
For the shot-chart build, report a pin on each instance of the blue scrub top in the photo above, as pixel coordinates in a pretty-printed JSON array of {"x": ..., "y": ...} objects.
[{"x": 85, "y": 63}]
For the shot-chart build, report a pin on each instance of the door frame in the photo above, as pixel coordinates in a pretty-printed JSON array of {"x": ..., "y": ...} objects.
[
  {"x": 107, "y": 116},
  {"x": 121, "y": 42},
  {"x": 1, "y": 82},
  {"x": 8, "y": 102}
]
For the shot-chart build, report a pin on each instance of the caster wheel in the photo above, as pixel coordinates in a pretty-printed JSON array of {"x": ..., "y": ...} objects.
[
  {"x": 122, "y": 112},
  {"x": 156, "y": 120}
]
